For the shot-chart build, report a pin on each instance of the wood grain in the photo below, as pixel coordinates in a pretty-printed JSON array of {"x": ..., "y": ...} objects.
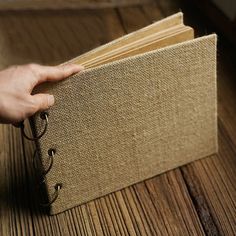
[
  {"x": 151, "y": 207},
  {"x": 65, "y": 4},
  {"x": 197, "y": 199}
]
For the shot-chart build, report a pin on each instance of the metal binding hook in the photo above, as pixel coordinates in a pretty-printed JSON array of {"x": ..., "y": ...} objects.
[
  {"x": 51, "y": 153},
  {"x": 43, "y": 116},
  {"x": 57, "y": 187}
]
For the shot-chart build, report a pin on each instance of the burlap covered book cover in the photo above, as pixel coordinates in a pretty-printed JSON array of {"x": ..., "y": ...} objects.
[{"x": 128, "y": 119}]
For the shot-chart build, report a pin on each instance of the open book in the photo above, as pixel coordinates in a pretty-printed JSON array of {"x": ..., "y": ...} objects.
[{"x": 145, "y": 104}]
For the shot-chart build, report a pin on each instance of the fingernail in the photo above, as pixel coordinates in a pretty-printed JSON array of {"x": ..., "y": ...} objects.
[{"x": 51, "y": 100}]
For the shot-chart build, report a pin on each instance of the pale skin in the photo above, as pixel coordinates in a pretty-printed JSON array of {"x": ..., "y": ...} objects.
[{"x": 17, "y": 83}]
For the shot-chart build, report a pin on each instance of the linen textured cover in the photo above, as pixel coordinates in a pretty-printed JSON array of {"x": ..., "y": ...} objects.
[{"x": 129, "y": 120}]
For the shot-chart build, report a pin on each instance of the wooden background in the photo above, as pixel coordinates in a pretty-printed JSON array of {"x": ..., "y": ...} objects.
[
  {"x": 196, "y": 199},
  {"x": 62, "y": 4}
]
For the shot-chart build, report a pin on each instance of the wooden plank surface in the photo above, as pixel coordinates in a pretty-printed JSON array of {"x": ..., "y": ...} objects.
[
  {"x": 196, "y": 199},
  {"x": 65, "y": 4}
]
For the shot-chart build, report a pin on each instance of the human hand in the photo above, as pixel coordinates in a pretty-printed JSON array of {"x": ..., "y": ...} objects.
[{"x": 17, "y": 83}]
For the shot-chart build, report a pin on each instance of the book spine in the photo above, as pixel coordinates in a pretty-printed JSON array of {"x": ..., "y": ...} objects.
[{"x": 41, "y": 170}]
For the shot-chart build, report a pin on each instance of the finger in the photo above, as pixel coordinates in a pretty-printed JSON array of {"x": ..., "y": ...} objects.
[
  {"x": 57, "y": 73},
  {"x": 41, "y": 102}
]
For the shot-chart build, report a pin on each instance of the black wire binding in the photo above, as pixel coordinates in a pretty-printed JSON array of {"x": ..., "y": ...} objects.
[
  {"x": 57, "y": 187},
  {"x": 51, "y": 154},
  {"x": 43, "y": 116}
]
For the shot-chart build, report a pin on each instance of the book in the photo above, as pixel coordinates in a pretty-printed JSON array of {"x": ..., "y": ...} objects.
[{"x": 146, "y": 103}]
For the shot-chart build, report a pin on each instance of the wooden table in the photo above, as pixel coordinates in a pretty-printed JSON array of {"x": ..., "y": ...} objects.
[{"x": 196, "y": 199}]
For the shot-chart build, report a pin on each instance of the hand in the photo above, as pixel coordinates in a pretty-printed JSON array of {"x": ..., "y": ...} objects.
[{"x": 17, "y": 83}]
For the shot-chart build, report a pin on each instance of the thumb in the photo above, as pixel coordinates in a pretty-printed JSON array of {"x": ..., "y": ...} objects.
[{"x": 43, "y": 101}]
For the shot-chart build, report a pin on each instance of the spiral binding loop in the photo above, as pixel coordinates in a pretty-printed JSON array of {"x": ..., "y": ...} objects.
[
  {"x": 43, "y": 116},
  {"x": 51, "y": 154},
  {"x": 57, "y": 187}
]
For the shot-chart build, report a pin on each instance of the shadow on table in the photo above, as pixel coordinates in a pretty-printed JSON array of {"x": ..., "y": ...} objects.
[{"x": 19, "y": 192}]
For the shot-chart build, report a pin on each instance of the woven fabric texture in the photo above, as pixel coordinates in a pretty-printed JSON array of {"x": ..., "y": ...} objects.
[{"x": 126, "y": 121}]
